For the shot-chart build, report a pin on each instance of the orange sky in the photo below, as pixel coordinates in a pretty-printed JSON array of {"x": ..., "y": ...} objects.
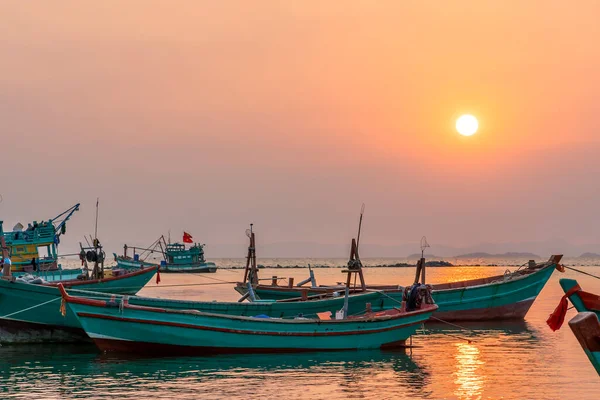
[{"x": 210, "y": 115}]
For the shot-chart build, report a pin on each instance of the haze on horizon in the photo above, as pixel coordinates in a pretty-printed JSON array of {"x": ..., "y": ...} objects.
[{"x": 210, "y": 115}]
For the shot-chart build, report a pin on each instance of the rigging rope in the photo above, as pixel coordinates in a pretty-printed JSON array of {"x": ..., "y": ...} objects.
[{"x": 582, "y": 272}]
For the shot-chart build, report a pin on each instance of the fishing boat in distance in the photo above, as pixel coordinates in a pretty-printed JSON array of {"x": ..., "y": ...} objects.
[
  {"x": 501, "y": 297},
  {"x": 176, "y": 257},
  {"x": 35, "y": 248},
  {"x": 157, "y": 331},
  {"x": 585, "y": 325}
]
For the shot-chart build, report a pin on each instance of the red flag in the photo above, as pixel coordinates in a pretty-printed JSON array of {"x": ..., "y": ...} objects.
[
  {"x": 187, "y": 238},
  {"x": 556, "y": 319}
]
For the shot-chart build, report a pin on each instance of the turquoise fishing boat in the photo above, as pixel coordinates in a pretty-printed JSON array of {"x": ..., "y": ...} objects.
[
  {"x": 30, "y": 312},
  {"x": 507, "y": 296},
  {"x": 502, "y": 297},
  {"x": 124, "y": 327},
  {"x": 585, "y": 325},
  {"x": 176, "y": 257},
  {"x": 35, "y": 248}
]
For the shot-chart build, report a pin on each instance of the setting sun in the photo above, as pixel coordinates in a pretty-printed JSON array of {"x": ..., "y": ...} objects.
[{"x": 467, "y": 125}]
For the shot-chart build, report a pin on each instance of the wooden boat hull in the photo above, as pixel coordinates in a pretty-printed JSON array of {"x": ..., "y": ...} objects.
[
  {"x": 585, "y": 325},
  {"x": 498, "y": 299},
  {"x": 152, "y": 330},
  {"x": 31, "y": 313},
  {"x": 586, "y": 328}
]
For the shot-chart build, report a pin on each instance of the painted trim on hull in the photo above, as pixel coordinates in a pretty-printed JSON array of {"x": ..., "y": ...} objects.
[
  {"x": 123, "y": 346},
  {"x": 516, "y": 310},
  {"x": 249, "y": 332}
]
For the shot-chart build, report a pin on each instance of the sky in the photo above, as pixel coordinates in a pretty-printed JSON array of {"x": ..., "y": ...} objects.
[{"x": 206, "y": 116}]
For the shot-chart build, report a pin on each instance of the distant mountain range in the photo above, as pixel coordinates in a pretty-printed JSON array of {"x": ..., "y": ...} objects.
[
  {"x": 590, "y": 255},
  {"x": 510, "y": 254}
]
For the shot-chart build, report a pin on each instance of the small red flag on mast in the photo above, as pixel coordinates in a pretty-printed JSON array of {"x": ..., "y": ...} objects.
[{"x": 187, "y": 238}]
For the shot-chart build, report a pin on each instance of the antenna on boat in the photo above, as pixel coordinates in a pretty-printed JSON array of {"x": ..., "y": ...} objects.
[
  {"x": 424, "y": 245},
  {"x": 421, "y": 262},
  {"x": 362, "y": 211},
  {"x": 96, "y": 228}
]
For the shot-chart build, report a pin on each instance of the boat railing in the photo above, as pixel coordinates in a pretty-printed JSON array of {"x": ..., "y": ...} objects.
[{"x": 30, "y": 236}]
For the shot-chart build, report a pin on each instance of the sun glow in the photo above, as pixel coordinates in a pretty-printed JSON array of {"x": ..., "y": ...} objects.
[{"x": 467, "y": 125}]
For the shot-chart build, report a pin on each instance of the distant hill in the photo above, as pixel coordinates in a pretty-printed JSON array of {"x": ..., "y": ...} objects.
[
  {"x": 509, "y": 254},
  {"x": 590, "y": 255}
]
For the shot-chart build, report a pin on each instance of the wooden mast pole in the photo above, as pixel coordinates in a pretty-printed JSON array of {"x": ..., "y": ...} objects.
[
  {"x": 354, "y": 264},
  {"x": 251, "y": 256},
  {"x": 6, "y": 271}
]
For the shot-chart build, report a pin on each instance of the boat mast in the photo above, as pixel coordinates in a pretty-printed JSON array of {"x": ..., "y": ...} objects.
[{"x": 251, "y": 272}]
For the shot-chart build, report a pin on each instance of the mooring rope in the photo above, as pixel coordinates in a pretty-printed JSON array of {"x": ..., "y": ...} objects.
[
  {"x": 582, "y": 272},
  {"x": 451, "y": 324},
  {"x": 210, "y": 277},
  {"x": 30, "y": 308}
]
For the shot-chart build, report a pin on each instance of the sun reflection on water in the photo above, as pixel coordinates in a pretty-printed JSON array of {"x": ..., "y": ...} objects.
[{"x": 468, "y": 376}]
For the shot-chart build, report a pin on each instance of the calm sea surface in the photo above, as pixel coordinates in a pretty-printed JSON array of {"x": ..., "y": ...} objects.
[{"x": 510, "y": 360}]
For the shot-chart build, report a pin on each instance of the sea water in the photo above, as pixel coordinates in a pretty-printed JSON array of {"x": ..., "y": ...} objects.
[{"x": 494, "y": 360}]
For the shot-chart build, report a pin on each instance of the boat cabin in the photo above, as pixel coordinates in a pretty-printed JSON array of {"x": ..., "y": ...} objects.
[
  {"x": 38, "y": 241},
  {"x": 176, "y": 253}
]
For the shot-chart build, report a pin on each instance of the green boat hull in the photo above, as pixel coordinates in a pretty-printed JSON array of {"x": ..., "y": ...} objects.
[
  {"x": 154, "y": 331},
  {"x": 189, "y": 268},
  {"x": 495, "y": 298},
  {"x": 130, "y": 264},
  {"x": 30, "y": 313},
  {"x": 586, "y": 324},
  {"x": 47, "y": 322}
]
